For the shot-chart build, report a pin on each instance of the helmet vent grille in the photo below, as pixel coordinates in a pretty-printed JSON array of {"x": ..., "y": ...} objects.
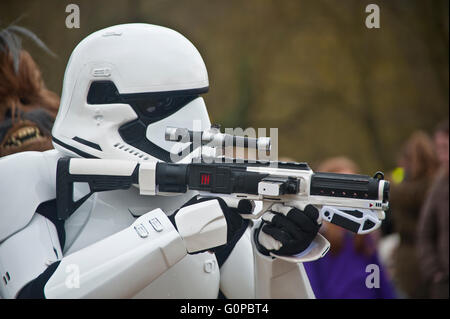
[{"x": 130, "y": 150}]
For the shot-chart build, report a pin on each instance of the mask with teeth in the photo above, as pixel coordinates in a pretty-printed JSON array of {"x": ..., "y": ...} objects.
[{"x": 27, "y": 107}]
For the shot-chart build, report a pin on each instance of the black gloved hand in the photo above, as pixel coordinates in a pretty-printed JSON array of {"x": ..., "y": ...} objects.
[{"x": 286, "y": 230}]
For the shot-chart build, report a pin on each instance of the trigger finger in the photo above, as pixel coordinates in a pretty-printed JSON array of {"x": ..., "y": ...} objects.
[
  {"x": 268, "y": 217},
  {"x": 282, "y": 209}
]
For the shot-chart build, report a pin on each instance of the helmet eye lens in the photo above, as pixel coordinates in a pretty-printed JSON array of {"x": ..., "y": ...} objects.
[
  {"x": 149, "y": 106},
  {"x": 165, "y": 102},
  {"x": 157, "y": 106},
  {"x": 150, "y": 109}
]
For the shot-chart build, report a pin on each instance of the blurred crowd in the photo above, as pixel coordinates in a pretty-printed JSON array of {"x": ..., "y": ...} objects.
[{"x": 411, "y": 250}]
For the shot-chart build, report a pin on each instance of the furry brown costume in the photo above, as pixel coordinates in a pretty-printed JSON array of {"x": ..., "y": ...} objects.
[{"x": 27, "y": 107}]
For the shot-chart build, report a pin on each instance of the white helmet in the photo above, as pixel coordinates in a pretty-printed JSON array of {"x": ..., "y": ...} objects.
[{"x": 123, "y": 86}]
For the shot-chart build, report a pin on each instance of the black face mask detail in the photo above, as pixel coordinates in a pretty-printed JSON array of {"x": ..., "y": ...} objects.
[{"x": 150, "y": 107}]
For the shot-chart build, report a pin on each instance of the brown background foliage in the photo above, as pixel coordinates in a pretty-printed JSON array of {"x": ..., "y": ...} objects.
[{"x": 310, "y": 68}]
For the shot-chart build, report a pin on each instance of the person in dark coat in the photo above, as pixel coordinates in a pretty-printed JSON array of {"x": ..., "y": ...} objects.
[
  {"x": 419, "y": 162},
  {"x": 433, "y": 237}
]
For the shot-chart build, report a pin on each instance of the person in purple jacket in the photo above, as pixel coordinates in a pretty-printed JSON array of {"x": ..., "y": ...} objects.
[{"x": 351, "y": 269}]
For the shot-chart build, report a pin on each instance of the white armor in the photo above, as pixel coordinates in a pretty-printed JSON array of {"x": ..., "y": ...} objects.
[{"x": 120, "y": 243}]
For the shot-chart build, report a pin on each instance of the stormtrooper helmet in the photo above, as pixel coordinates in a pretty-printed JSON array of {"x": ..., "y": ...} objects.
[{"x": 123, "y": 86}]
